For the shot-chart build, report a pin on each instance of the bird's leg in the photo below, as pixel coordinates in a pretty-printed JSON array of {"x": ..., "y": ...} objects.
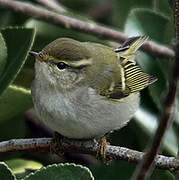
[
  {"x": 56, "y": 144},
  {"x": 101, "y": 153}
]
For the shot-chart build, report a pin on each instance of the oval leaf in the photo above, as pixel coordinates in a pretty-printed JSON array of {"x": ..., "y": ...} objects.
[
  {"x": 123, "y": 171},
  {"x": 138, "y": 24},
  {"x": 19, "y": 42},
  {"x": 3, "y": 53},
  {"x": 14, "y": 101},
  {"x": 5, "y": 172},
  {"x": 62, "y": 172},
  {"x": 20, "y": 165},
  {"x": 164, "y": 7},
  {"x": 121, "y": 9}
]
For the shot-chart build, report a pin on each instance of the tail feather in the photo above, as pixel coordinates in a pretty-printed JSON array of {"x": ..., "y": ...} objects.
[{"x": 131, "y": 45}]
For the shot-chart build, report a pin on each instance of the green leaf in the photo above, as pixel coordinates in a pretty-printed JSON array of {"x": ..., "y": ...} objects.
[
  {"x": 19, "y": 165},
  {"x": 5, "y": 172},
  {"x": 62, "y": 172},
  {"x": 3, "y": 53},
  {"x": 151, "y": 66},
  {"x": 9, "y": 18},
  {"x": 124, "y": 170},
  {"x": 13, "y": 101},
  {"x": 163, "y": 6},
  {"x": 25, "y": 77},
  {"x": 122, "y": 8},
  {"x": 19, "y": 42},
  {"x": 143, "y": 22}
]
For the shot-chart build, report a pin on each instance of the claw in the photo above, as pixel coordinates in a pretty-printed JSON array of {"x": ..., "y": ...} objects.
[{"x": 101, "y": 153}]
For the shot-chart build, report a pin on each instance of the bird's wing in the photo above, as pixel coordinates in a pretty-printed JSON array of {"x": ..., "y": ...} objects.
[{"x": 133, "y": 79}]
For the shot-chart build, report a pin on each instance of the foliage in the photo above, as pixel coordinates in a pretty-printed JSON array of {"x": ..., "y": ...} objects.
[
  {"x": 52, "y": 172},
  {"x": 137, "y": 17}
]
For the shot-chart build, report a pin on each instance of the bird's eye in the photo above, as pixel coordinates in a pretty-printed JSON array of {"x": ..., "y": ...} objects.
[{"x": 61, "y": 65}]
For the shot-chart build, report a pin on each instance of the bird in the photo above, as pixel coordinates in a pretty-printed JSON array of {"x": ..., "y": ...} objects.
[{"x": 84, "y": 90}]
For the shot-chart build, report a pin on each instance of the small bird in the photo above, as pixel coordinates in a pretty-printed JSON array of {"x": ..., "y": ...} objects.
[{"x": 83, "y": 90}]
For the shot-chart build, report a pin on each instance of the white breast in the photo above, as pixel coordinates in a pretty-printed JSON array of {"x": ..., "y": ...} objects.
[{"x": 82, "y": 113}]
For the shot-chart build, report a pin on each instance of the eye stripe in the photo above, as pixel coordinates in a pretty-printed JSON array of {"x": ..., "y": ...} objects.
[
  {"x": 73, "y": 64},
  {"x": 83, "y": 62}
]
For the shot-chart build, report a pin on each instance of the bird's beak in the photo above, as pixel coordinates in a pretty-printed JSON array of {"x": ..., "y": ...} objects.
[{"x": 36, "y": 55}]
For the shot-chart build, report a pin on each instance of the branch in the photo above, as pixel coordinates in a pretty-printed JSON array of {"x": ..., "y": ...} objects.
[
  {"x": 177, "y": 173},
  {"x": 85, "y": 147},
  {"x": 150, "y": 47},
  {"x": 142, "y": 172},
  {"x": 176, "y": 19},
  {"x": 52, "y": 4}
]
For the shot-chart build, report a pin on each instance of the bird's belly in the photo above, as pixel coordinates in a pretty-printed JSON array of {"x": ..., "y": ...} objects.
[{"x": 84, "y": 116}]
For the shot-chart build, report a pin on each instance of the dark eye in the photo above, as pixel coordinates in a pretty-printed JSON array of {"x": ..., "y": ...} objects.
[{"x": 62, "y": 65}]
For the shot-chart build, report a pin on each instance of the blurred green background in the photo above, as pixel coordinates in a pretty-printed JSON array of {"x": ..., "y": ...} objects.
[{"x": 17, "y": 118}]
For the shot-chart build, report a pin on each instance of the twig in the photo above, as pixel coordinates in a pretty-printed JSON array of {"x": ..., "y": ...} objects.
[
  {"x": 18, "y": 145},
  {"x": 142, "y": 172},
  {"x": 68, "y": 22},
  {"x": 85, "y": 147},
  {"x": 176, "y": 19},
  {"x": 53, "y": 5},
  {"x": 177, "y": 173}
]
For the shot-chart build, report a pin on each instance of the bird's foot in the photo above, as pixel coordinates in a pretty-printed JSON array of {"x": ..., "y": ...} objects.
[
  {"x": 56, "y": 144},
  {"x": 101, "y": 153}
]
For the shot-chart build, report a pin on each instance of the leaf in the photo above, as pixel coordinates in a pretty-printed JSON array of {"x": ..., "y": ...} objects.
[
  {"x": 9, "y": 18},
  {"x": 19, "y": 165},
  {"x": 151, "y": 66},
  {"x": 142, "y": 21},
  {"x": 62, "y": 172},
  {"x": 13, "y": 101},
  {"x": 3, "y": 53},
  {"x": 5, "y": 172},
  {"x": 19, "y": 42},
  {"x": 124, "y": 170},
  {"x": 25, "y": 78},
  {"x": 122, "y": 8},
  {"x": 5, "y": 18},
  {"x": 163, "y": 6}
]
